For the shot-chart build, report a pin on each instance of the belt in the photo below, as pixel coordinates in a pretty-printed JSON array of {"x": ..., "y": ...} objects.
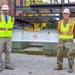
[
  {"x": 5, "y": 37},
  {"x": 10, "y": 29},
  {"x": 66, "y": 32},
  {"x": 66, "y": 39}
]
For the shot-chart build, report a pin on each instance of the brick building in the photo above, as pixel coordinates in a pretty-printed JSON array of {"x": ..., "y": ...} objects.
[
  {"x": 8, "y": 2},
  {"x": 3, "y": 2},
  {"x": 11, "y": 5}
]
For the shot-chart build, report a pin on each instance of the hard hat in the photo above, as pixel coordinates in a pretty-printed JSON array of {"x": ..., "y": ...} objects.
[
  {"x": 5, "y": 7},
  {"x": 66, "y": 10}
]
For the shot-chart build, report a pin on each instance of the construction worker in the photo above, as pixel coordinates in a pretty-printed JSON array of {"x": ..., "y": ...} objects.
[
  {"x": 6, "y": 25},
  {"x": 66, "y": 29}
]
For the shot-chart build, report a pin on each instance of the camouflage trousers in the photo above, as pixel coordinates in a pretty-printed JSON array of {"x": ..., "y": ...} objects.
[
  {"x": 65, "y": 46},
  {"x": 5, "y": 43}
]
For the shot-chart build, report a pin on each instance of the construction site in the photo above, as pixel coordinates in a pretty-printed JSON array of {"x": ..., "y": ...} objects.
[
  {"x": 36, "y": 19},
  {"x": 35, "y": 36}
]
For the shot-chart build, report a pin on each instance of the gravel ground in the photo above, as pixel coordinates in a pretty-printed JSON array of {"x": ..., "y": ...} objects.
[{"x": 34, "y": 65}]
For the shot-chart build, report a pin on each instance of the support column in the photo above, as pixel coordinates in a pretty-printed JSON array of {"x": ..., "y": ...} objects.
[
  {"x": 9, "y": 4},
  {"x": 0, "y": 9},
  {"x": 62, "y": 1},
  {"x": 21, "y": 2},
  {"x": 50, "y": 1}
]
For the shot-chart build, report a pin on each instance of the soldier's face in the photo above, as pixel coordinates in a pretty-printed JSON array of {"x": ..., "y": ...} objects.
[
  {"x": 5, "y": 12},
  {"x": 66, "y": 15}
]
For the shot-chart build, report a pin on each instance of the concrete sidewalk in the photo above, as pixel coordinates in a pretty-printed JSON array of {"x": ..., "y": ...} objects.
[{"x": 34, "y": 65}]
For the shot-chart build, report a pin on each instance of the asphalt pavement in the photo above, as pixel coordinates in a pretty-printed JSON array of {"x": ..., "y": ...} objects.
[{"x": 34, "y": 65}]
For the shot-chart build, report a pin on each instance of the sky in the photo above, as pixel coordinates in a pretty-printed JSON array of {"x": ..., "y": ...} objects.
[{"x": 60, "y": 0}]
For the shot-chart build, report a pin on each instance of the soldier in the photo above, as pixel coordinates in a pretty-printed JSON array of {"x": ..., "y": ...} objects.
[
  {"x": 6, "y": 26},
  {"x": 66, "y": 29}
]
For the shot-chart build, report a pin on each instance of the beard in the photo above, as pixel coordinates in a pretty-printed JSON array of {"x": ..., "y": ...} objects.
[{"x": 5, "y": 13}]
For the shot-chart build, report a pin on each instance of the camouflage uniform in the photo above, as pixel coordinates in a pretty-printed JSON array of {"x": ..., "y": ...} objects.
[
  {"x": 7, "y": 43},
  {"x": 65, "y": 46}
]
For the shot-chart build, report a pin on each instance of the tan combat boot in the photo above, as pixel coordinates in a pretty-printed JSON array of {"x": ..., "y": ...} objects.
[
  {"x": 70, "y": 69},
  {"x": 59, "y": 67}
]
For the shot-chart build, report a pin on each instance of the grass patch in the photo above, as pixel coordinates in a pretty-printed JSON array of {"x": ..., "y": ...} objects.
[
  {"x": 27, "y": 52},
  {"x": 51, "y": 53},
  {"x": 46, "y": 53}
]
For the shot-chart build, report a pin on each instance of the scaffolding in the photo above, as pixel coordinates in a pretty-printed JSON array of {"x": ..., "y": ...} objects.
[{"x": 51, "y": 12}]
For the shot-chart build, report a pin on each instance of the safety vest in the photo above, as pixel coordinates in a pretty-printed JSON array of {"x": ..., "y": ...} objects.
[
  {"x": 67, "y": 31},
  {"x": 6, "y": 28}
]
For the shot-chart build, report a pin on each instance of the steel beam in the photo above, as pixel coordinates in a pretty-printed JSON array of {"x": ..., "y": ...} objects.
[
  {"x": 53, "y": 6},
  {"x": 21, "y": 2},
  {"x": 14, "y": 7},
  {"x": 23, "y": 8},
  {"x": 53, "y": 12},
  {"x": 9, "y": 4},
  {"x": 41, "y": 17}
]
